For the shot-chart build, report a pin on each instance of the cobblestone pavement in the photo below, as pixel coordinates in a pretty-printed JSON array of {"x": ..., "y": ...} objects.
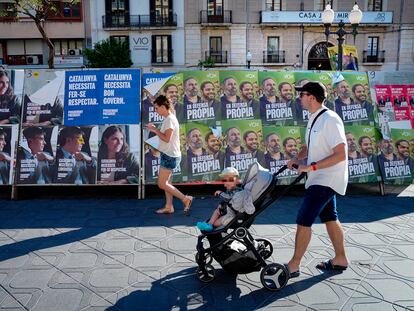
[{"x": 118, "y": 255}]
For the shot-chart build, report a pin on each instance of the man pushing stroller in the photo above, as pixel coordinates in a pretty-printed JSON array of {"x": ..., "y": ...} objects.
[{"x": 234, "y": 199}]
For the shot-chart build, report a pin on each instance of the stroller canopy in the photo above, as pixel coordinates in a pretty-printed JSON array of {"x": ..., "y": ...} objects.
[{"x": 257, "y": 180}]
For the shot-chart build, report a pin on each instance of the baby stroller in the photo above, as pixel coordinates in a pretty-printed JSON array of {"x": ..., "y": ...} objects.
[{"x": 234, "y": 248}]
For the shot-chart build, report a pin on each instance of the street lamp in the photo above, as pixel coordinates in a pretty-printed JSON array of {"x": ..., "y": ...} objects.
[
  {"x": 355, "y": 17},
  {"x": 248, "y": 59}
]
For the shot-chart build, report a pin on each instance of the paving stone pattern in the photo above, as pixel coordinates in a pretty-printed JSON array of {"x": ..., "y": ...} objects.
[{"x": 118, "y": 255}]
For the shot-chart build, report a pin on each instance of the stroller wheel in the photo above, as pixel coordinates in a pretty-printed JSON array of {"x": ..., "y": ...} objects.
[
  {"x": 207, "y": 258},
  {"x": 274, "y": 277},
  {"x": 265, "y": 248},
  {"x": 207, "y": 274}
]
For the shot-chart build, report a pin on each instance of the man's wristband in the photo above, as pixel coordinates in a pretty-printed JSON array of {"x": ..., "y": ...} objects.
[{"x": 314, "y": 166}]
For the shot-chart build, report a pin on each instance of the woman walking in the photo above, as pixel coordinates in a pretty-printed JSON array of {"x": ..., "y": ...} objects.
[{"x": 169, "y": 146}]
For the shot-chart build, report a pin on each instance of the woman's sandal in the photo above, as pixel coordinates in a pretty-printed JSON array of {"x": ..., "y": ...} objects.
[
  {"x": 164, "y": 210},
  {"x": 187, "y": 207}
]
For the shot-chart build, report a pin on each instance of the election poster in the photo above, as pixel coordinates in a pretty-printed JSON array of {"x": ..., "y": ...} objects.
[
  {"x": 353, "y": 99},
  {"x": 238, "y": 99},
  {"x": 8, "y": 140},
  {"x": 385, "y": 109},
  {"x": 396, "y": 158},
  {"x": 362, "y": 157},
  {"x": 281, "y": 145},
  {"x": 119, "y": 154},
  {"x": 277, "y": 100},
  {"x": 201, "y": 100},
  {"x": 76, "y": 155},
  {"x": 95, "y": 97},
  {"x": 399, "y": 101},
  {"x": 152, "y": 158},
  {"x": 301, "y": 78},
  {"x": 36, "y": 155},
  {"x": 203, "y": 157},
  {"x": 155, "y": 84},
  {"x": 409, "y": 89},
  {"x": 11, "y": 88},
  {"x": 241, "y": 144},
  {"x": 43, "y": 97}
]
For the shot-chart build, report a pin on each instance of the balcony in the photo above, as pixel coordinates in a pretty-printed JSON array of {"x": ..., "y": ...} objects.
[
  {"x": 162, "y": 57},
  {"x": 138, "y": 21},
  {"x": 225, "y": 18},
  {"x": 219, "y": 57},
  {"x": 274, "y": 57},
  {"x": 370, "y": 57}
]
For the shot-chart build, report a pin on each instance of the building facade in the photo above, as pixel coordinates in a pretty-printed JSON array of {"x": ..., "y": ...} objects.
[
  {"x": 21, "y": 43},
  {"x": 154, "y": 29},
  {"x": 289, "y": 33}
]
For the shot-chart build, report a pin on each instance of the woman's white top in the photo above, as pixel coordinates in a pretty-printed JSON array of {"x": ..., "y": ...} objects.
[
  {"x": 172, "y": 148},
  {"x": 327, "y": 132}
]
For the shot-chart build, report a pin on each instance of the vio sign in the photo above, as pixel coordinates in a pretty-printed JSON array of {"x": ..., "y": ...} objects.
[{"x": 141, "y": 43}]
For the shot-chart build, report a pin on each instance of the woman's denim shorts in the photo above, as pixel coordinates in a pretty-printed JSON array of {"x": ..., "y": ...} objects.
[{"x": 169, "y": 163}]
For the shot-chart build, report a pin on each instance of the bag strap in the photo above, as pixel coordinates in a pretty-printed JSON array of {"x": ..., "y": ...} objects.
[{"x": 313, "y": 123}]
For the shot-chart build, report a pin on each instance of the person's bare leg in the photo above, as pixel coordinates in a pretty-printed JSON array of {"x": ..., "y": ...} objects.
[
  {"x": 214, "y": 217},
  {"x": 302, "y": 239},
  {"x": 336, "y": 234},
  {"x": 168, "y": 207},
  {"x": 164, "y": 184}
]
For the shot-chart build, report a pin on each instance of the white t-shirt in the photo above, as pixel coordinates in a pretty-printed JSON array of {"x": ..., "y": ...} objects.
[
  {"x": 171, "y": 149},
  {"x": 327, "y": 132}
]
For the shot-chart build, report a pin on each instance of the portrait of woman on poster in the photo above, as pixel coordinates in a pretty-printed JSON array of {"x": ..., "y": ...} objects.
[
  {"x": 9, "y": 103},
  {"x": 116, "y": 165}
]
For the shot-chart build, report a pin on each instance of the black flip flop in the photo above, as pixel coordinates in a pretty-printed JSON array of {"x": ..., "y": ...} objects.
[
  {"x": 292, "y": 275},
  {"x": 329, "y": 266}
]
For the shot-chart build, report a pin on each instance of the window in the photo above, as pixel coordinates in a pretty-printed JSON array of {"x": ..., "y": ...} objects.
[
  {"x": 121, "y": 39},
  {"x": 372, "y": 46},
  {"x": 162, "y": 7},
  {"x": 272, "y": 44},
  {"x": 374, "y": 5},
  {"x": 161, "y": 49},
  {"x": 216, "y": 50},
  {"x": 273, "y": 5},
  {"x": 214, "y": 7},
  {"x": 6, "y": 10},
  {"x": 67, "y": 10},
  {"x": 323, "y": 3},
  {"x": 68, "y": 47}
]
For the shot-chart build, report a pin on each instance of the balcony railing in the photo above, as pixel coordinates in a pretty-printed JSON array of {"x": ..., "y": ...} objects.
[
  {"x": 370, "y": 57},
  {"x": 219, "y": 57},
  {"x": 162, "y": 56},
  {"x": 225, "y": 18},
  {"x": 138, "y": 21},
  {"x": 273, "y": 57}
]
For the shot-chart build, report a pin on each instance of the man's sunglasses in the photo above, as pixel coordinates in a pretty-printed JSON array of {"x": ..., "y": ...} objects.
[{"x": 304, "y": 93}]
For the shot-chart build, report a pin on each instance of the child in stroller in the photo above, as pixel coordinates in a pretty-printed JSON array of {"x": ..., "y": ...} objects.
[
  {"x": 232, "y": 245},
  {"x": 224, "y": 213}
]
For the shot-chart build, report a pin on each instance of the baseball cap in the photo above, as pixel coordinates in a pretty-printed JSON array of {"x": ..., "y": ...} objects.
[
  {"x": 229, "y": 171},
  {"x": 317, "y": 89}
]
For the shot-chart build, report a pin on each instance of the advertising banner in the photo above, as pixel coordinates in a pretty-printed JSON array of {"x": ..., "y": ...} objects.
[
  {"x": 349, "y": 57},
  {"x": 239, "y": 99},
  {"x": 399, "y": 101},
  {"x": 8, "y": 139},
  {"x": 11, "y": 88},
  {"x": 362, "y": 158},
  {"x": 410, "y": 97},
  {"x": 119, "y": 154},
  {"x": 102, "y": 97},
  {"x": 277, "y": 99},
  {"x": 396, "y": 157},
  {"x": 43, "y": 97},
  {"x": 281, "y": 144},
  {"x": 353, "y": 99},
  {"x": 385, "y": 109}
]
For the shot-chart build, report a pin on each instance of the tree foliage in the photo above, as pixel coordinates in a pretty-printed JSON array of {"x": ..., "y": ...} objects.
[
  {"x": 40, "y": 11},
  {"x": 207, "y": 63},
  {"x": 109, "y": 53}
]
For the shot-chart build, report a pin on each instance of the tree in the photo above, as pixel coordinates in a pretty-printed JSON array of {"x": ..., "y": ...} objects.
[
  {"x": 109, "y": 53},
  {"x": 40, "y": 11}
]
